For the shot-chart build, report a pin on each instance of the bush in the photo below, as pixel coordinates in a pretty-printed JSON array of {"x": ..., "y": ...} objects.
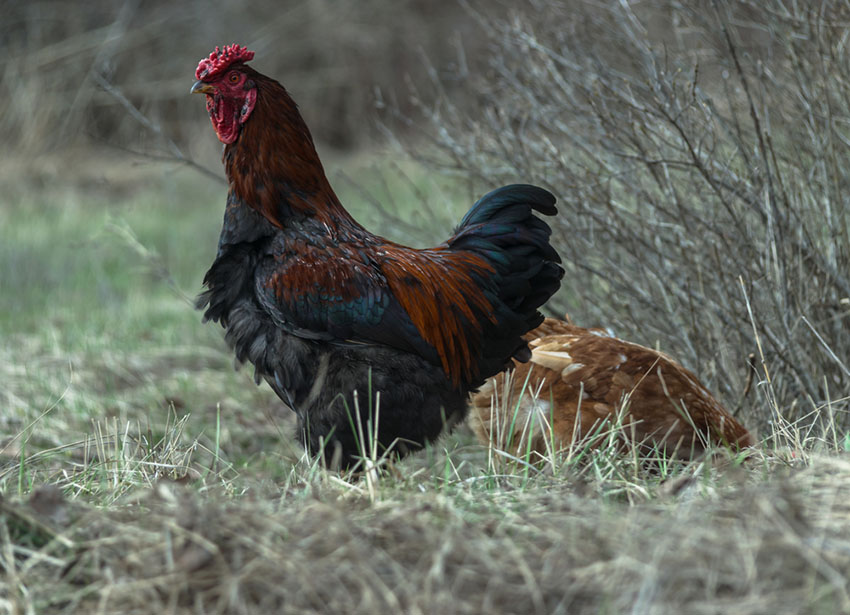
[{"x": 700, "y": 154}]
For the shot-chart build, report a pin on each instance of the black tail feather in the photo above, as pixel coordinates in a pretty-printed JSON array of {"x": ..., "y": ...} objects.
[{"x": 502, "y": 228}]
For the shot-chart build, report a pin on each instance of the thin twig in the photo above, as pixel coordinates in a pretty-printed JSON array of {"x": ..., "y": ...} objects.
[{"x": 176, "y": 153}]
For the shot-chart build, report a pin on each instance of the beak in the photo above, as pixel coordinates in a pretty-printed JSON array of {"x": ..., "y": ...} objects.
[{"x": 200, "y": 87}]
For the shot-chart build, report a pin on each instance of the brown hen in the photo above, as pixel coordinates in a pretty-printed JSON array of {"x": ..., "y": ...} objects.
[{"x": 582, "y": 378}]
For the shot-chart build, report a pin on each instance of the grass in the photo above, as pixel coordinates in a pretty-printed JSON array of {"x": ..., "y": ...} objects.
[{"x": 141, "y": 474}]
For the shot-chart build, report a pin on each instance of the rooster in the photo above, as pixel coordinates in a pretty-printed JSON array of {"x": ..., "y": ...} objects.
[
  {"x": 577, "y": 379},
  {"x": 350, "y": 329}
]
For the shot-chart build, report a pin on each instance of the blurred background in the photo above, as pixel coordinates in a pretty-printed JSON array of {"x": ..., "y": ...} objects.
[
  {"x": 338, "y": 59},
  {"x": 699, "y": 151}
]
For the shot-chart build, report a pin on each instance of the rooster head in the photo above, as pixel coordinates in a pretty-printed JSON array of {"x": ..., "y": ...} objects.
[{"x": 230, "y": 91}]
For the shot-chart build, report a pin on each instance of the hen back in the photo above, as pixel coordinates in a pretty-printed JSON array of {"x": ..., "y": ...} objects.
[
  {"x": 582, "y": 383},
  {"x": 348, "y": 328}
]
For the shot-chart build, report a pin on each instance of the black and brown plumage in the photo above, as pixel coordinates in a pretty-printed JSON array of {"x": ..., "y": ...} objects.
[{"x": 323, "y": 308}]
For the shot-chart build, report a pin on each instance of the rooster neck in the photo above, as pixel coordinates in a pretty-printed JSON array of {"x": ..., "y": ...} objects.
[{"x": 273, "y": 166}]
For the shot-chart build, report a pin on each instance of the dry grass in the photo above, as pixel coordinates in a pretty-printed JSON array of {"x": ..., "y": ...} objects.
[
  {"x": 705, "y": 543},
  {"x": 140, "y": 474},
  {"x": 173, "y": 518}
]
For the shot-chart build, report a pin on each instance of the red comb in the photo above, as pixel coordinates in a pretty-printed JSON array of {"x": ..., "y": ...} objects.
[{"x": 220, "y": 59}]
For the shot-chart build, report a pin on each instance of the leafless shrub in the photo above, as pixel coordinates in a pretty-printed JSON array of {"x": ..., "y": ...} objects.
[{"x": 700, "y": 153}]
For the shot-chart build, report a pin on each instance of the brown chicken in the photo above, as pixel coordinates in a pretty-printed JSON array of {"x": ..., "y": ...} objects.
[{"x": 578, "y": 379}]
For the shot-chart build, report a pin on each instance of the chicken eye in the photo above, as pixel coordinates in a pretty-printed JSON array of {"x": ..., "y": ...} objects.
[{"x": 234, "y": 78}]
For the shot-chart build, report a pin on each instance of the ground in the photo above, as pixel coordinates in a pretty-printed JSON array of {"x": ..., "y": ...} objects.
[{"x": 141, "y": 473}]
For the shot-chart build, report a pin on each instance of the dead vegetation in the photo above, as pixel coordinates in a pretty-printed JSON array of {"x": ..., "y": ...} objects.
[
  {"x": 713, "y": 545},
  {"x": 700, "y": 154}
]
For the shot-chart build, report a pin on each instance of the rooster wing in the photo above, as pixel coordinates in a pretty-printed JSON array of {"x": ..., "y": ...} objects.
[{"x": 462, "y": 305}]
